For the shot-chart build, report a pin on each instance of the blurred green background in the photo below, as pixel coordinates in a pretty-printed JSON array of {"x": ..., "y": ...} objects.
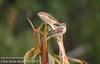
[{"x": 82, "y": 39}]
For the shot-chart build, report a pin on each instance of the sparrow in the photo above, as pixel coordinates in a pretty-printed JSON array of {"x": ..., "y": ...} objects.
[{"x": 58, "y": 29}]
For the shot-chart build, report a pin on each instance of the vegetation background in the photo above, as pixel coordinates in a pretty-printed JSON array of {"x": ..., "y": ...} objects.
[{"x": 82, "y": 39}]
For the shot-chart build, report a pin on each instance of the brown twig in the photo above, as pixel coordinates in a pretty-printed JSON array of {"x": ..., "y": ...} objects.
[{"x": 61, "y": 47}]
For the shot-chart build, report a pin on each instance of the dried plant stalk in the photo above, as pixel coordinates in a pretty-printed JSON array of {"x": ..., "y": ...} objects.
[
  {"x": 58, "y": 30},
  {"x": 34, "y": 51},
  {"x": 44, "y": 46},
  {"x": 61, "y": 47}
]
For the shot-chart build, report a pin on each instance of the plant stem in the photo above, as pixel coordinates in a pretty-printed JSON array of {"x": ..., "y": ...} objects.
[
  {"x": 61, "y": 46},
  {"x": 44, "y": 46}
]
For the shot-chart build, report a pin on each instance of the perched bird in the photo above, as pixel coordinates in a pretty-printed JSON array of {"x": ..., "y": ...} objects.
[{"x": 58, "y": 29}]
